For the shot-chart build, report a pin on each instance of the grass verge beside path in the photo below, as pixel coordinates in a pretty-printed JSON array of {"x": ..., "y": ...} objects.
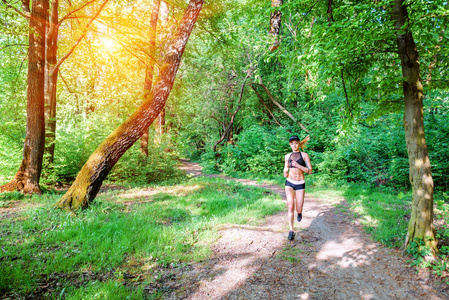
[{"x": 116, "y": 246}]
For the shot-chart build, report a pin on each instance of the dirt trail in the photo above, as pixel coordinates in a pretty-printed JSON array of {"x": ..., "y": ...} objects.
[{"x": 331, "y": 258}]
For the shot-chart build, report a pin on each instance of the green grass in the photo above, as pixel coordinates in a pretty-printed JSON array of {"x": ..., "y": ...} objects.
[
  {"x": 156, "y": 228},
  {"x": 291, "y": 254}
]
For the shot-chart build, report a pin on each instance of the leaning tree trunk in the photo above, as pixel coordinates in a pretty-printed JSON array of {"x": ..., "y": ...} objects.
[
  {"x": 27, "y": 177},
  {"x": 51, "y": 77},
  {"x": 421, "y": 222},
  {"x": 149, "y": 72},
  {"x": 91, "y": 176}
]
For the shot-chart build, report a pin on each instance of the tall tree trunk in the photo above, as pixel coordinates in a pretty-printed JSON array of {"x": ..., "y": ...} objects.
[
  {"x": 421, "y": 221},
  {"x": 51, "y": 77},
  {"x": 28, "y": 175},
  {"x": 90, "y": 178},
  {"x": 275, "y": 24},
  {"x": 149, "y": 72},
  {"x": 51, "y": 74}
]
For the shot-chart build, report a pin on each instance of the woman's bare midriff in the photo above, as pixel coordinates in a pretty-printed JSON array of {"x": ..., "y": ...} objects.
[{"x": 295, "y": 174}]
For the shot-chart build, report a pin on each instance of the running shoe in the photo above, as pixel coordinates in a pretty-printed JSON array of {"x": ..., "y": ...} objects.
[
  {"x": 291, "y": 235},
  {"x": 299, "y": 218}
]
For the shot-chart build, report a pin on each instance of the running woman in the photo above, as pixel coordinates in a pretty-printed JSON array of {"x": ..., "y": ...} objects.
[{"x": 296, "y": 164}]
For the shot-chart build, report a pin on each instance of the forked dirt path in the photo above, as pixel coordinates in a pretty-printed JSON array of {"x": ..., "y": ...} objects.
[{"x": 331, "y": 258}]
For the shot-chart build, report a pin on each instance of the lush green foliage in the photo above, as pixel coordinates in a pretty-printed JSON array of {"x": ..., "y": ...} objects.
[
  {"x": 162, "y": 164},
  {"x": 338, "y": 77},
  {"x": 357, "y": 137},
  {"x": 371, "y": 152},
  {"x": 133, "y": 224}
]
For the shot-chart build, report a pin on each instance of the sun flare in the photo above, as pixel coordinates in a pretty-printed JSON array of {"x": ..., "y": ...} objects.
[{"x": 108, "y": 43}]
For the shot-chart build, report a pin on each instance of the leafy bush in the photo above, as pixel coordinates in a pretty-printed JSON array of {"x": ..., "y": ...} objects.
[
  {"x": 209, "y": 163},
  {"x": 160, "y": 165},
  {"x": 437, "y": 138},
  {"x": 71, "y": 152},
  {"x": 258, "y": 150}
]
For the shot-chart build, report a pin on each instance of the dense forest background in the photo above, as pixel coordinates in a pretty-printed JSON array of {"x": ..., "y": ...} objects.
[
  {"x": 253, "y": 73},
  {"x": 339, "y": 81}
]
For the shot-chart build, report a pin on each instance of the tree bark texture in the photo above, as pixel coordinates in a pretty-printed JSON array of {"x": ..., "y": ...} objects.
[
  {"x": 149, "y": 72},
  {"x": 27, "y": 177},
  {"x": 421, "y": 221},
  {"x": 51, "y": 77},
  {"x": 90, "y": 178},
  {"x": 275, "y": 24}
]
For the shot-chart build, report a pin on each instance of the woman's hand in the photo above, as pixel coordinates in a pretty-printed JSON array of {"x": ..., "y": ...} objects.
[
  {"x": 302, "y": 168},
  {"x": 296, "y": 165}
]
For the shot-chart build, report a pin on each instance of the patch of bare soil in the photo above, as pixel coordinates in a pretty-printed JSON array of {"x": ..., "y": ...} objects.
[{"x": 331, "y": 258}]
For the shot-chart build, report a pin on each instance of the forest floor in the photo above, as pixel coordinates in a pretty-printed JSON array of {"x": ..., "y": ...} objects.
[{"x": 330, "y": 258}]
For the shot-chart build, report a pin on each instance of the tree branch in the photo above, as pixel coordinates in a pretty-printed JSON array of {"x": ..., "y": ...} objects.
[
  {"x": 263, "y": 102},
  {"x": 346, "y": 93},
  {"x": 307, "y": 13},
  {"x": 13, "y": 45},
  {"x": 282, "y": 108},
  {"x": 69, "y": 15},
  {"x": 211, "y": 33},
  {"x": 65, "y": 82},
  {"x": 25, "y": 14},
  {"x": 126, "y": 48}
]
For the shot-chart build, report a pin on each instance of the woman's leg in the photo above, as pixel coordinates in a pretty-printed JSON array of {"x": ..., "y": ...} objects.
[
  {"x": 290, "y": 193},
  {"x": 299, "y": 200}
]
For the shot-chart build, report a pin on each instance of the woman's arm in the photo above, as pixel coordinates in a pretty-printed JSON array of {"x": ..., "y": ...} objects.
[
  {"x": 308, "y": 163},
  {"x": 286, "y": 166}
]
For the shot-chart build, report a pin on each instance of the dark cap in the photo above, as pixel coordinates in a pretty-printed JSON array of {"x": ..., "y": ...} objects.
[{"x": 294, "y": 138}]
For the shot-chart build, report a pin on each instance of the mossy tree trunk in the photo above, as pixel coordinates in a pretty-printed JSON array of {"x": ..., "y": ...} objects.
[
  {"x": 27, "y": 177},
  {"x": 421, "y": 222},
  {"x": 90, "y": 178}
]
